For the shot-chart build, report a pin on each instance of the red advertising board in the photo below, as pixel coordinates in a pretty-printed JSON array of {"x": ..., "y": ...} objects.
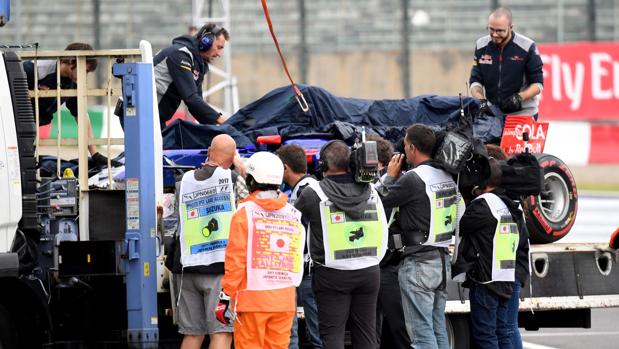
[
  {"x": 513, "y": 142},
  {"x": 581, "y": 81}
]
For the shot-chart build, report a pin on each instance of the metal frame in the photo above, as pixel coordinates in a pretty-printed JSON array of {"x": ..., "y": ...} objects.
[
  {"x": 229, "y": 83},
  {"x": 82, "y": 93}
]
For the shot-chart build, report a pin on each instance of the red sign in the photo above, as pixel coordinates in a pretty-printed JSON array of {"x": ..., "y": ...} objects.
[
  {"x": 512, "y": 141},
  {"x": 581, "y": 81}
]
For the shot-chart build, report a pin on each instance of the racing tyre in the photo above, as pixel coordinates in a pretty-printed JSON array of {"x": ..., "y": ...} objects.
[
  {"x": 458, "y": 333},
  {"x": 551, "y": 214},
  {"x": 8, "y": 332}
]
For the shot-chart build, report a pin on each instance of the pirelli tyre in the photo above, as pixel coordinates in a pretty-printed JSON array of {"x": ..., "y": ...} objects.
[{"x": 551, "y": 214}]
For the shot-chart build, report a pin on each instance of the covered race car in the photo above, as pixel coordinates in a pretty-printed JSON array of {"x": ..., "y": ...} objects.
[{"x": 545, "y": 187}]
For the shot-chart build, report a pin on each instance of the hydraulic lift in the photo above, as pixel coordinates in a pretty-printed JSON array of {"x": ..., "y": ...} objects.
[{"x": 141, "y": 216}]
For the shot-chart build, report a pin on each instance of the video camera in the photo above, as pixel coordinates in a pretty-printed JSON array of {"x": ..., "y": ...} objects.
[{"x": 364, "y": 160}]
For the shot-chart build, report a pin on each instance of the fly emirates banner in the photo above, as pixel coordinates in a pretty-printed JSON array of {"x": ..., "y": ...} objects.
[{"x": 581, "y": 81}]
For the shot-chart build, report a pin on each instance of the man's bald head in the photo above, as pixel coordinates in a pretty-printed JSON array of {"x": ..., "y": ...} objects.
[
  {"x": 222, "y": 150},
  {"x": 504, "y": 12}
]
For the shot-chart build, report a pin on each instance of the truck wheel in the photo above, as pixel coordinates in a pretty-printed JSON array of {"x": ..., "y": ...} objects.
[
  {"x": 551, "y": 214},
  {"x": 8, "y": 332},
  {"x": 458, "y": 331}
]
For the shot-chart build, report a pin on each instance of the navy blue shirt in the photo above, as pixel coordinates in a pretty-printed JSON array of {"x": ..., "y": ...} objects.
[
  {"x": 503, "y": 72},
  {"x": 179, "y": 72}
]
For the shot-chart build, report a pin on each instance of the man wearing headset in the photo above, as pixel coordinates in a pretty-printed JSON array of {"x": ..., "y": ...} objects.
[
  {"x": 347, "y": 238},
  {"x": 180, "y": 70}
]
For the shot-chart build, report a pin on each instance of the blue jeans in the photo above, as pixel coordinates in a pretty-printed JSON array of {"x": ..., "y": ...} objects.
[
  {"x": 294, "y": 332},
  {"x": 306, "y": 295},
  {"x": 423, "y": 300},
  {"x": 512, "y": 316},
  {"x": 489, "y": 319}
]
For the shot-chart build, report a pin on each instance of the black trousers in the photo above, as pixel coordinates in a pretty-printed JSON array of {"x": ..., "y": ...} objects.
[
  {"x": 346, "y": 295},
  {"x": 390, "y": 323}
]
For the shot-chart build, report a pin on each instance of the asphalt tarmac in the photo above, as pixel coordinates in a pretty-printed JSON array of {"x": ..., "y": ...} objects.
[{"x": 597, "y": 217}]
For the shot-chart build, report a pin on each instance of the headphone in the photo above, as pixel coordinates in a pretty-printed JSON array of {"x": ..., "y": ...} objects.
[
  {"x": 205, "y": 42},
  {"x": 322, "y": 163}
]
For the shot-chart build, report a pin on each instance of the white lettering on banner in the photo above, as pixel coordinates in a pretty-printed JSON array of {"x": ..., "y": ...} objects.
[
  {"x": 616, "y": 78},
  {"x": 556, "y": 76},
  {"x": 573, "y": 83},
  {"x": 534, "y": 131},
  {"x": 597, "y": 73},
  {"x": 569, "y": 78}
]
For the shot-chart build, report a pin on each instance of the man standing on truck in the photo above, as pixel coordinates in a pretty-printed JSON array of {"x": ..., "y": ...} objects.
[
  {"x": 180, "y": 70},
  {"x": 264, "y": 260},
  {"x": 207, "y": 198},
  {"x": 491, "y": 229},
  {"x": 297, "y": 178},
  {"x": 507, "y": 68},
  {"x": 347, "y": 239},
  {"x": 426, "y": 199},
  {"x": 47, "y": 71}
]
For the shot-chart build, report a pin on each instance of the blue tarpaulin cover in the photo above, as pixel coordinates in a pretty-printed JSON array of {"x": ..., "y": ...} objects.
[{"x": 330, "y": 116}]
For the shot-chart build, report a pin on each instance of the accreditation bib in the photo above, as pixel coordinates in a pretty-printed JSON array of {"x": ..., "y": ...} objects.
[
  {"x": 506, "y": 239},
  {"x": 206, "y": 209},
  {"x": 275, "y": 243},
  {"x": 352, "y": 243}
]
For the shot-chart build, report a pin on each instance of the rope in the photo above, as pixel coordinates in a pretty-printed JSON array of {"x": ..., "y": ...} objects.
[{"x": 299, "y": 95}]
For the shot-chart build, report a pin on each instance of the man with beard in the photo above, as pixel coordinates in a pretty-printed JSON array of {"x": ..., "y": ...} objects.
[{"x": 507, "y": 68}]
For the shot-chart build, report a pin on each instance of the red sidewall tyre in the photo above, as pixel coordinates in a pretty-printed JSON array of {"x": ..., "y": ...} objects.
[{"x": 551, "y": 215}]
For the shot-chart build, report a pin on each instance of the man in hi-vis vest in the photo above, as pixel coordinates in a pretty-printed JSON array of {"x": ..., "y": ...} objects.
[
  {"x": 206, "y": 201},
  {"x": 426, "y": 199},
  {"x": 264, "y": 260},
  {"x": 297, "y": 178},
  {"x": 347, "y": 239},
  {"x": 490, "y": 231}
]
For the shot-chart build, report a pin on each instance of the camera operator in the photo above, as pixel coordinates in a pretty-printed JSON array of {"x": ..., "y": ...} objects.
[{"x": 347, "y": 240}]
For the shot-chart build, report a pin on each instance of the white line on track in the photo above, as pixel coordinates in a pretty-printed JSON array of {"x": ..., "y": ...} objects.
[
  {"x": 571, "y": 334},
  {"x": 527, "y": 345}
]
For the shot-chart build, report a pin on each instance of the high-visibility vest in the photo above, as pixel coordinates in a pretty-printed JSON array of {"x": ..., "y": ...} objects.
[
  {"x": 275, "y": 243},
  {"x": 352, "y": 244},
  {"x": 206, "y": 209},
  {"x": 506, "y": 239},
  {"x": 442, "y": 193},
  {"x": 305, "y": 181}
]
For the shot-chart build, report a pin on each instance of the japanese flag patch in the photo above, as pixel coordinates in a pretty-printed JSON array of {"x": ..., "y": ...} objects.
[
  {"x": 279, "y": 243},
  {"x": 338, "y": 217},
  {"x": 192, "y": 213}
]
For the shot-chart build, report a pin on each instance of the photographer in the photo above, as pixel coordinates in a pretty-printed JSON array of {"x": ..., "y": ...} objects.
[
  {"x": 347, "y": 240},
  {"x": 389, "y": 314},
  {"x": 426, "y": 198},
  {"x": 491, "y": 231}
]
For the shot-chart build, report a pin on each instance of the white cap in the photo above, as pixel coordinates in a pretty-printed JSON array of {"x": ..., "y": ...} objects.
[{"x": 266, "y": 168}]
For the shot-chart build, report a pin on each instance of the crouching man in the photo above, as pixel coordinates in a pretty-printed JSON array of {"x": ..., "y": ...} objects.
[{"x": 264, "y": 260}]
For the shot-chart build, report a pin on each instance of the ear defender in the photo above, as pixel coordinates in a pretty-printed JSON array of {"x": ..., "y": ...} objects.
[
  {"x": 206, "y": 40},
  {"x": 322, "y": 164}
]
